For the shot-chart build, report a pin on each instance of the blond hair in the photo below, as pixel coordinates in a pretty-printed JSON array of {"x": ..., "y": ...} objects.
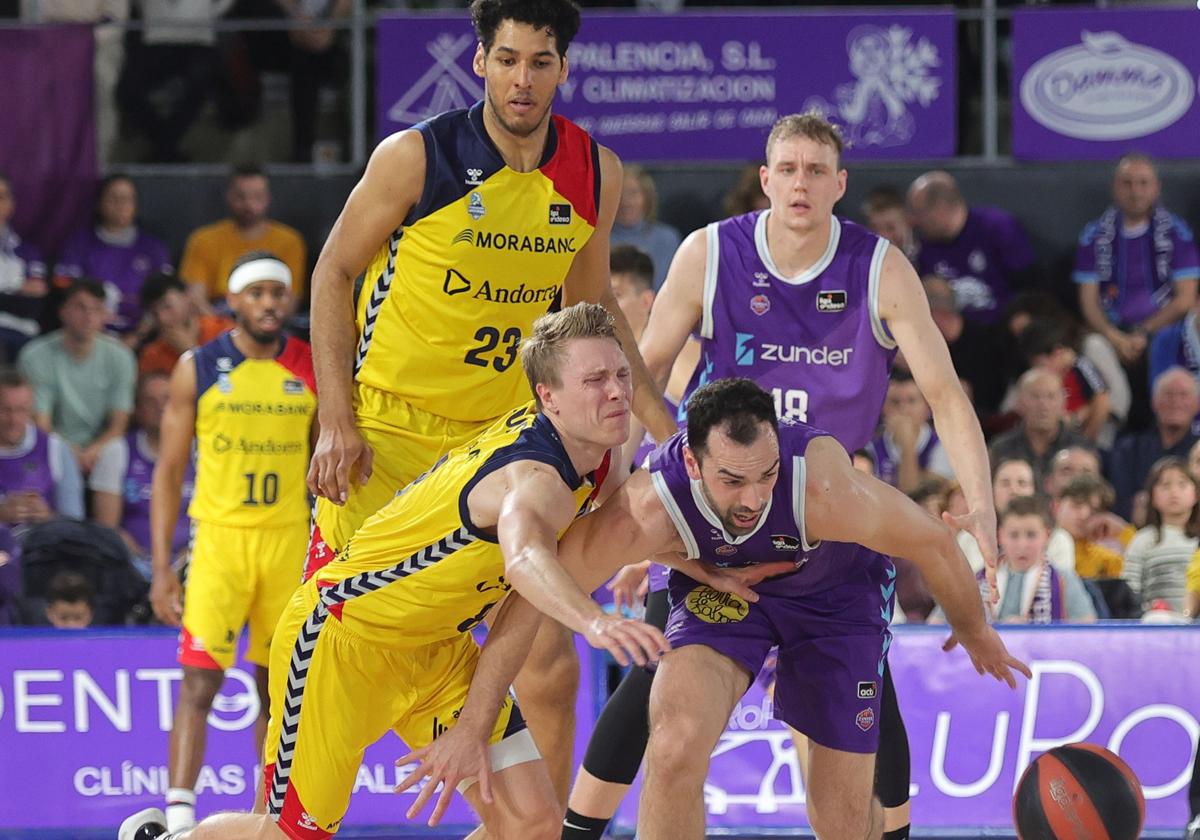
[
  {"x": 542, "y": 353},
  {"x": 810, "y": 124}
]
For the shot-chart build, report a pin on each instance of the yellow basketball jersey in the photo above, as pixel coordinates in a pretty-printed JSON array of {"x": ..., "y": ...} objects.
[
  {"x": 450, "y": 295},
  {"x": 419, "y": 571},
  {"x": 252, "y": 435}
]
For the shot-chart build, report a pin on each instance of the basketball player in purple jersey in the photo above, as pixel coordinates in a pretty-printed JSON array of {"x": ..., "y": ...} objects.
[
  {"x": 813, "y": 308},
  {"x": 740, "y": 488}
]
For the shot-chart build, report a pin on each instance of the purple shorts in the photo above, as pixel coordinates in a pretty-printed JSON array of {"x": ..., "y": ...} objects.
[{"x": 832, "y": 646}]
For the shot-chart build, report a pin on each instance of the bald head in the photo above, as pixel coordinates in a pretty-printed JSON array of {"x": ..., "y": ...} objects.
[{"x": 936, "y": 206}]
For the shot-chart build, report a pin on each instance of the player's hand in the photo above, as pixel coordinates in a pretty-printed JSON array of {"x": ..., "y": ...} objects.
[
  {"x": 166, "y": 597},
  {"x": 629, "y": 586},
  {"x": 982, "y": 527},
  {"x": 989, "y": 655},
  {"x": 627, "y": 640},
  {"x": 340, "y": 454},
  {"x": 461, "y": 753},
  {"x": 739, "y": 580}
]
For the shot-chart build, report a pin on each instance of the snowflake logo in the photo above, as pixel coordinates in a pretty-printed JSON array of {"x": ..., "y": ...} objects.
[{"x": 892, "y": 73}]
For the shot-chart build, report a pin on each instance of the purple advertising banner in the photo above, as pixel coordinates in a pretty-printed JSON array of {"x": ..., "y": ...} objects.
[
  {"x": 1134, "y": 690},
  {"x": 88, "y": 713},
  {"x": 707, "y": 87},
  {"x": 1093, "y": 84}
]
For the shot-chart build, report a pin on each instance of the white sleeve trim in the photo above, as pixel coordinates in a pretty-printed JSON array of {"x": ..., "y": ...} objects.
[
  {"x": 673, "y": 511},
  {"x": 712, "y": 255},
  {"x": 877, "y": 327},
  {"x": 799, "y": 471}
]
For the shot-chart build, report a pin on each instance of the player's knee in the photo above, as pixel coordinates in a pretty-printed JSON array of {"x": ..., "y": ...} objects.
[
  {"x": 200, "y": 686},
  {"x": 842, "y": 819},
  {"x": 675, "y": 743}
]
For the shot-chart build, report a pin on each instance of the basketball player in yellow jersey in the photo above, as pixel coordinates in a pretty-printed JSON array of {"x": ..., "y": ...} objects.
[
  {"x": 380, "y": 638},
  {"x": 468, "y": 226},
  {"x": 248, "y": 399}
]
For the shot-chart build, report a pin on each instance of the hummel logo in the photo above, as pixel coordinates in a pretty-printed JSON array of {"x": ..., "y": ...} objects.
[
  {"x": 761, "y": 278},
  {"x": 473, "y": 176}
]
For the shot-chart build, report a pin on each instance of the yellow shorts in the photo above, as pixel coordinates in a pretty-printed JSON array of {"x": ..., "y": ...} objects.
[
  {"x": 235, "y": 575},
  {"x": 405, "y": 441},
  {"x": 333, "y": 694}
]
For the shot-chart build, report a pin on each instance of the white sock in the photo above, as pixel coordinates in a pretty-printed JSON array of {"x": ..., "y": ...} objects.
[{"x": 181, "y": 809}]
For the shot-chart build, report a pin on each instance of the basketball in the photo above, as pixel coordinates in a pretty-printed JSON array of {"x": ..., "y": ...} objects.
[{"x": 1079, "y": 791}]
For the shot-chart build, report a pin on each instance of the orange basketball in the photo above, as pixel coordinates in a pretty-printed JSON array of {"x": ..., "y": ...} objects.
[{"x": 1079, "y": 792}]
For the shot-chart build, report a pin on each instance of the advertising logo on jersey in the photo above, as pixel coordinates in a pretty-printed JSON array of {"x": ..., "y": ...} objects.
[
  {"x": 474, "y": 177},
  {"x": 500, "y": 241},
  {"x": 456, "y": 283},
  {"x": 831, "y": 301},
  {"x": 785, "y": 542},
  {"x": 867, "y": 690},
  {"x": 760, "y": 304},
  {"x": 743, "y": 354},
  {"x": 560, "y": 214},
  {"x": 761, "y": 280},
  {"x": 812, "y": 356},
  {"x": 726, "y": 550}
]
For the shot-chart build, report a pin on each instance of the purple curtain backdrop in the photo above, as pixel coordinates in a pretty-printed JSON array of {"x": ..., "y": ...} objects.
[{"x": 48, "y": 140}]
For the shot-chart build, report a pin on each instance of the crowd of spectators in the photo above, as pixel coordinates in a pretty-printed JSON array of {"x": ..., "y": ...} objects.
[
  {"x": 1092, "y": 416},
  {"x": 86, "y": 351}
]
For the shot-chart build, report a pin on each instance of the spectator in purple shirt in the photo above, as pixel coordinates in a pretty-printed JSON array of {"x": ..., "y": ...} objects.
[
  {"x": 115, "y": 251},
  {"x": 1136, "y": 269},
  {"x": 22, "y": 281},
  {"x": 982, "y": 251}
]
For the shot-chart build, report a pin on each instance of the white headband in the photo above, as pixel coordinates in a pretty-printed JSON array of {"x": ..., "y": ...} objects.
[{"x": 258, "y": 271}]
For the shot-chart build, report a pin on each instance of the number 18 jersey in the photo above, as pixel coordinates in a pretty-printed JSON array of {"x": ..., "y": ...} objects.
[
  {"x": 448, "y": 298},
  {"x": 816, "y": 341}
]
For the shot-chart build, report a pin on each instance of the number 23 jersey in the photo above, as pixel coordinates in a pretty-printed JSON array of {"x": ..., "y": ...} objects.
[
  {"x": 448, "y": 298},
  {"x": 253, "y": 421}
]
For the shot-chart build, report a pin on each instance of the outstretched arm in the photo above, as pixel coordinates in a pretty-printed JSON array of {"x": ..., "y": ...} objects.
[
  {"x": 535, "y": 507},
  {"x": 843, "y": 504},
  {"x": 905, "y": 309}
]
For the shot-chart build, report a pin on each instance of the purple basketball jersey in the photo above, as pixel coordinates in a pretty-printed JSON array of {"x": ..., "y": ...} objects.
[
  {"x": 136, "y": 491},
  {"x": 31, "y": 471},
  {"x": 815, "y": 341},
  {"x": 780, "y": 533},
  {"x": 829, "y": 618}
]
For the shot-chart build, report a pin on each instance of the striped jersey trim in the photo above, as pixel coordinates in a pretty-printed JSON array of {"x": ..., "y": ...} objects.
[{"x": 352, "y": 587}]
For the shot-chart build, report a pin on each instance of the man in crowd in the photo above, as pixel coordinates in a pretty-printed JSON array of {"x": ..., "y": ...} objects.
[
  {"x": 1043, "y": 430},
  {"x": 177, "y": 322},
  {"x": 1175, "y": 400},
  {"x": 39, "y": 478},
  {"x": 82, "y": 379},
  {"x": 983, "y": 251},
  {"x": 212, "y": 250}
]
